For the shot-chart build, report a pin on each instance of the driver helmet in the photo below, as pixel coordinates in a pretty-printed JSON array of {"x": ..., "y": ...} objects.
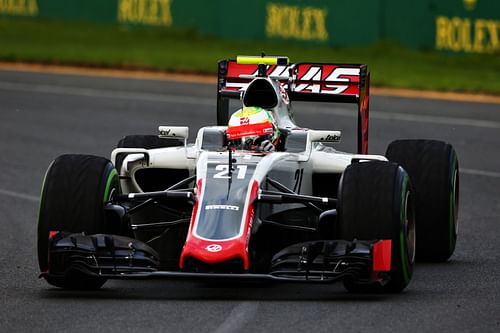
[{"x": 252, "y": 125}]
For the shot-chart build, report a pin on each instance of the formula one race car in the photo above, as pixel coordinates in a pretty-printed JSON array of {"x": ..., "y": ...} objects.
[{"x": 296, "y": 210}]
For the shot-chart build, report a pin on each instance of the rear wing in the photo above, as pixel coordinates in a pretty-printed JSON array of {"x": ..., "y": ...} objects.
[{"x": 311, "y": 82}]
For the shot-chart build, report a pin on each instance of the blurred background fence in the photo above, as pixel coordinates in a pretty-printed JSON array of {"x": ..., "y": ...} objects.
[{"x": 457, "y": 26}]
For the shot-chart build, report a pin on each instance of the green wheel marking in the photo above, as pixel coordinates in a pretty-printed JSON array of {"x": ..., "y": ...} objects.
[
  {"x": 402, "y": 237},
  {"x": 111, "y": 175},
  {"x": 451, "y": 220},
  {"x": 452, "y": 206}
]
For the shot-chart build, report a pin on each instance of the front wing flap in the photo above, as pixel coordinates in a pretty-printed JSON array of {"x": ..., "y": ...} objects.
[
  {"x": 100, "y": 255},
  {"x": 118, "y": 257},
  {"x": 330, "y": 260}
]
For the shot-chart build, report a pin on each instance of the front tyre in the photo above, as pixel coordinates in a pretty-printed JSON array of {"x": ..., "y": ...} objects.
[
  {"x": 74, "y": 191},
  {"x": 375, "y": 203}
]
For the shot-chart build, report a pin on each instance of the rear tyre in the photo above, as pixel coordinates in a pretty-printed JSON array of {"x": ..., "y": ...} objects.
[
  {"x": 375, "y": 203},
  {"x": 74, "y": 191},
  {"x": 433, "y": 169},
  {"x": 146, "y": 142}
]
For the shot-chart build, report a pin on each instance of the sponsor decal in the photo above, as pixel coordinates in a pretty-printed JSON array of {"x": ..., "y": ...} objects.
[
  {"x": 327, "y": 74},
  {"x": 173, "y": 131},
  {"x": 213, "y": 248},
  {"x": 244, "y": 121},
  {"x": 237, "y": 132},
  {"x": 19, "y": 7},
  {"x": 470, "y": 4},
  {"x": 284, "y": 94},
  {"x": 148, "y": 12},
  {"x": 165, "y": 131},
  {"x": 309, "y": 78},
  {"x": 296, "y": 22},
  {"x": 223, "y": 207},
  {"x": 331, "y": 138},
  {"x": 462, "y": 34}
]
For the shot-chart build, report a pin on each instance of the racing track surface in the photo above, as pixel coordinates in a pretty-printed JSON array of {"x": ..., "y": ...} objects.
[{"x": 42, "y": 116}]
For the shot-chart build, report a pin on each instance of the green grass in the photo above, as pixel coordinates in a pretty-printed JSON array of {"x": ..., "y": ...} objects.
[{"x": 185, "y": 51}]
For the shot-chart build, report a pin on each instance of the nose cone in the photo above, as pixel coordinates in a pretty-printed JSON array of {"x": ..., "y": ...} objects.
[
  {"x": 218, "y": 250},
  {"x": 215, "y": 252}
]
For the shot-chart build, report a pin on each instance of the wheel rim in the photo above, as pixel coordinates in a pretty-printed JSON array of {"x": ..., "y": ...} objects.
[{"x": 409, "y": 218}]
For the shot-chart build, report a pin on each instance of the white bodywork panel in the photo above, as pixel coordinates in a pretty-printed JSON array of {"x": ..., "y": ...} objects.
[{"x": 316, "y": 158}]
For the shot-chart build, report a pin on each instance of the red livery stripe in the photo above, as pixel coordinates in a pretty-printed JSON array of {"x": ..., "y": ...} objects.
[{"x": 382, "y": 256}]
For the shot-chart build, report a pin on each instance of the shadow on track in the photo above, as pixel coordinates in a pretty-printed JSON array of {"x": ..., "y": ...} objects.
[
  {"x": 187, "y": 290},
  {"x": 161, "y": 290}
]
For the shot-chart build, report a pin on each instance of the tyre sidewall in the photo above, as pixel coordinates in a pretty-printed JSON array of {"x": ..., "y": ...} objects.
[
  {"x": 432, "y": 166},
  {"x": 371, "y": 206},
  {"x": 402, "y": 262},
  {"x": 63, "y": 198}
]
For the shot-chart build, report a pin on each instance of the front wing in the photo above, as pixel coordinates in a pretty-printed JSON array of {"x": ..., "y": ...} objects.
[{"x": 118, "y": 257}]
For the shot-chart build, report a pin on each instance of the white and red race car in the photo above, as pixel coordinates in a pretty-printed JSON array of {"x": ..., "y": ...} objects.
[{"x": 306, "y": 212}]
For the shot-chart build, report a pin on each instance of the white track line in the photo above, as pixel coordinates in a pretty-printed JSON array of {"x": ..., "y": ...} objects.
[
  {"x": 483, "y": 173},
  {"x": 435, "y": 119},
  {"x": 89, "y": 92},
  {"x": 19, "y": 195},
  {"x": 419, "y": 118},
  {"x": 238, "y": 318}
]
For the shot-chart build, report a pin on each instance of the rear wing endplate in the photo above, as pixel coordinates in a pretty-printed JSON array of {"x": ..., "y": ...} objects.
[{"x": 310, "y": 82}]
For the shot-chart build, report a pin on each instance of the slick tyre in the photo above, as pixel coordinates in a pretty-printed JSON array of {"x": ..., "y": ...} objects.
[
  {"x": 433, "y": 169},
  {"x": 146, "y": 142},
  {"x": 74, "y": 191},
  {"x": 375, "y": 203}
]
